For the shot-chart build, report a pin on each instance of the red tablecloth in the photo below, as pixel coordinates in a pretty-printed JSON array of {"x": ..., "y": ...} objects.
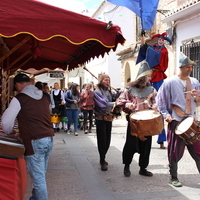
[{"x": 13, "y": 179}]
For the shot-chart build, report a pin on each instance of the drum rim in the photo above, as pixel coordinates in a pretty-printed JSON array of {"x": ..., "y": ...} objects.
[
  {"x": 183, "y": 121},
  {"x": 159, "y": 114}
]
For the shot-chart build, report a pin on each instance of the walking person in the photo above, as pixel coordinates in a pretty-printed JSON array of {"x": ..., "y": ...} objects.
[
  {"x": 177, "y": 99},
  {"x": 103, "y": 117},
  {"x": 132, "y": 100},
  {"x": 87, "y": 107},
  {"x": 72, "y": 99},
  {"x": 31, "y": 108},
  {"x": 58, "y": 97}
]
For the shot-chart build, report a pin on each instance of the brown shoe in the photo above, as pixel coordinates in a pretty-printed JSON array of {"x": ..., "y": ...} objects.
[
  {"x": 104, "y": 167},
  {"x": 162, "y": 146}
]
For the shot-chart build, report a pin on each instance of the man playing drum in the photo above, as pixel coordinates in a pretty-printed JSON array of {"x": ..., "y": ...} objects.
[
  {"x": 177, "y": 99},
  {"x": 138, "y": 96}
]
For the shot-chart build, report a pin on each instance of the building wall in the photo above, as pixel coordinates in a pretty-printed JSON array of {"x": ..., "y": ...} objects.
[
  {"x": 110, "y": 65},
  {"x": 121, "y": 70},
  {"x": 187, "y": 30},
  {"x": 159, "y": 27}
]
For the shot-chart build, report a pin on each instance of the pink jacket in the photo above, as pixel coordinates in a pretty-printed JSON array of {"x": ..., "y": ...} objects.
[{"x": 87, "y": 100}]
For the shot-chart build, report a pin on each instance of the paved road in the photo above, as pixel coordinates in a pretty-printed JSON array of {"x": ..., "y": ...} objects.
[{"x": 74, "y": 172}]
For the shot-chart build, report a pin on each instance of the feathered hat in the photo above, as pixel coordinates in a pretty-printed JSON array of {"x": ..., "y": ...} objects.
[{"x": 163, "y": 36}]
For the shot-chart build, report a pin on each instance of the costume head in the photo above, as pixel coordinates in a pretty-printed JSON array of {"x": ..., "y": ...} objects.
[
  {"x": 144, "y": 70},
  {"x": 184, "y": 60},
  {"x": 163, "y": 36}
]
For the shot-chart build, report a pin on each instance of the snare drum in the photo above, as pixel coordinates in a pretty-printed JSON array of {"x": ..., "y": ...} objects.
[
  {"x": 146, "y": 123},
  {"x": 188, "y": 129}
]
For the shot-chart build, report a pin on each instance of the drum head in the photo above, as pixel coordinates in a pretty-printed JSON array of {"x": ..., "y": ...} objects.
[
  {"x": 145, "y": 115},
  {"x": 184, "y": 125}
]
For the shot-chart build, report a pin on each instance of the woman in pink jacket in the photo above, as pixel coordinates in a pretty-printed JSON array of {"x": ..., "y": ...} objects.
[{"x": 87, "y": 106}]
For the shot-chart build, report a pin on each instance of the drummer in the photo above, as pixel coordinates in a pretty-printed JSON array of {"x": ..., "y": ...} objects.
[
  {"x": 175, "y": 104},
  {"x": 139, "y": 95}
]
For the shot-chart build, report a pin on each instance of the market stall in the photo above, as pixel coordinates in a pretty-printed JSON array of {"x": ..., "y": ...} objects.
[{"x": 37, "y": 35}]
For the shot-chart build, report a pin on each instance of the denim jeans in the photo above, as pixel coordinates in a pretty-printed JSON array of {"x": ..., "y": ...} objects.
[
  {"x": 72, "y": 115},
  {"x": 37, "y": 167}
]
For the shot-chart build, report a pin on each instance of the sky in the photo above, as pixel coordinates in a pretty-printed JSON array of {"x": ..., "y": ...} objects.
[{"x": 75, "y": 5}]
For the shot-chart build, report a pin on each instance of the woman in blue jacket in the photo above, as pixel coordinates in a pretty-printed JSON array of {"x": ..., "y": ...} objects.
[{"x": 72, "y": 98}]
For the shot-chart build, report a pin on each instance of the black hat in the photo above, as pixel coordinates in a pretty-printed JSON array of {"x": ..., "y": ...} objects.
[{"x": 21, "y": 78}]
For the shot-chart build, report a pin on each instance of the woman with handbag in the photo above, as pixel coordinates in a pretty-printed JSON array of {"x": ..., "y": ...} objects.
[{"x": 58, "y": 97}]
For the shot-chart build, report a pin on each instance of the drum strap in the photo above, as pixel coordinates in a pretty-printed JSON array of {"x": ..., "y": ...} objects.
[
  {"x": 177, "y": 110},
  {"x": 188, "y": 96}
]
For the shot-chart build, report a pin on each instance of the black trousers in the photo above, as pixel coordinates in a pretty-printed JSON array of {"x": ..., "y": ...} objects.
[
  {"x": 87, "y": 115},
  {"x": 134, "y": 145},
  {"x": 103, "y": 130}
]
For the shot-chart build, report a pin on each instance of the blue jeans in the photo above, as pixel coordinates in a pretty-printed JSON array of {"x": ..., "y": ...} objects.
[
  {"x": 37, "y": 167},
  {"x": 72, "y": 115}
]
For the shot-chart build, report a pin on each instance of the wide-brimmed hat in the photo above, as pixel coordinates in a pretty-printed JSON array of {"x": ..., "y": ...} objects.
[
  {"x": 144, "y": 70},
  {"x": 184, "y": 60}
]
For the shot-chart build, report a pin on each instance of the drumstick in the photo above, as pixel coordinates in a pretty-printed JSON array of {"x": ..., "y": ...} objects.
[
  {"x": 191, "y": 91},
  {"x": 145, "y": 101}
]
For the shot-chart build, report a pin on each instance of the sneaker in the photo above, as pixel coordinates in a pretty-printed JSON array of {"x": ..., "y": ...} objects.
[
  {"x": 127, "y": 171},
  {"x": 75, "y": 133},
  {"x": 175, "y": 182},
  {"x": 86, "y": 131},
  {"x": 144, "y": 172},
  {"x": 90, "y": 131},
  {"x": 67, "y": 131}
]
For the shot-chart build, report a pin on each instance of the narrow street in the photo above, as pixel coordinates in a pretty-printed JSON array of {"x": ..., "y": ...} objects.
[{"x": 74, "y": 171}]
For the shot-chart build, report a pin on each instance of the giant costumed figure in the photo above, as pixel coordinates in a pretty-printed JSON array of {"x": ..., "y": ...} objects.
[{"x": 157, "y": 57}]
